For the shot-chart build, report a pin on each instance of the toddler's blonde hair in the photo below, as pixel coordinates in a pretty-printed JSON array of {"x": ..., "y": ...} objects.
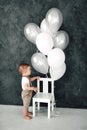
[{"x": 22, "y": 68}]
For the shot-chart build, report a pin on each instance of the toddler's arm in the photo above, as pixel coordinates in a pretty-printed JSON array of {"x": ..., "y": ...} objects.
[{"x": 34, "y": 78}]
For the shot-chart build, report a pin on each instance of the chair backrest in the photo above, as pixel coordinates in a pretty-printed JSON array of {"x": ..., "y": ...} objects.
[{"x": 45, "y": 83}]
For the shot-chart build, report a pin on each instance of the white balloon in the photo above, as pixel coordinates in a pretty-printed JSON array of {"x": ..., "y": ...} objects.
[
  {"x": 44, "y": 43},
  {"x": 57, "y": 73},
  {"x": 39, "y": 62},
  {"x": 56, "y": 57},
  {"x": 44, "y": 27},
  {"x": 61, "y": 40},
  {"x": 54, "y": 19},
  {"x": 31, "y": 31}
]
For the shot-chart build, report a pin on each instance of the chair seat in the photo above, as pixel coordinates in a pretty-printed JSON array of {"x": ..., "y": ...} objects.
[
  {"x": 44, "y": 84},
  {"x": 43, "y": 97}
]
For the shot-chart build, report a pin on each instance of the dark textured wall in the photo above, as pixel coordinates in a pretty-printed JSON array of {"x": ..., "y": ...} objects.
[{"x": 71, "y": 89}]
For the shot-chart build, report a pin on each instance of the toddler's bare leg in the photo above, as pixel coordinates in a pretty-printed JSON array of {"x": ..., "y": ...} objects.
[{"x": 25, "y": 114}]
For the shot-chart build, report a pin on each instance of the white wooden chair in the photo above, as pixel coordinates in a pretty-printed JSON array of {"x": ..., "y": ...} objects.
[{"x": 44, "y": 96}]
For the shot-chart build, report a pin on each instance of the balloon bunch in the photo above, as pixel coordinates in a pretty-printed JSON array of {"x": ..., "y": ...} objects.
[{"x": 50, "y": 42}]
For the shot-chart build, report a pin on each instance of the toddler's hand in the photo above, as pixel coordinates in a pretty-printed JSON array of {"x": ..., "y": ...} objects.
[
  {"x": 35, "y": 89},
  {"x": 38, "y": 77}
]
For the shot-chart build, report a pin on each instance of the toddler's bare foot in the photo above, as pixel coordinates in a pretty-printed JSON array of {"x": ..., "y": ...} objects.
[
  {"x": 27, "y": 117},
  {"x": 30, "y": 113}
]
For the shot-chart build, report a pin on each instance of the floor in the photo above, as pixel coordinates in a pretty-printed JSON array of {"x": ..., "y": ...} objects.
[{"x": 61, "y": 119}]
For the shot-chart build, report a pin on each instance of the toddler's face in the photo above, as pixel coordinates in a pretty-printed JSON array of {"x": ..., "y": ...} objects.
[{"x": 28, "y": 71}]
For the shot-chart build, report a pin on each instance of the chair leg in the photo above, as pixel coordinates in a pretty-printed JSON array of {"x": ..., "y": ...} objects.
[
  {"x": 49, "y": 110},
  {"x": 33, "y": 108},
  {"x": 52, "y": 105},
  {"x": 38, "y": 105}
]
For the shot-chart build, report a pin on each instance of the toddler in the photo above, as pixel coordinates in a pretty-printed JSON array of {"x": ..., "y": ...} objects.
[{"x": 25, "y": 71}]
